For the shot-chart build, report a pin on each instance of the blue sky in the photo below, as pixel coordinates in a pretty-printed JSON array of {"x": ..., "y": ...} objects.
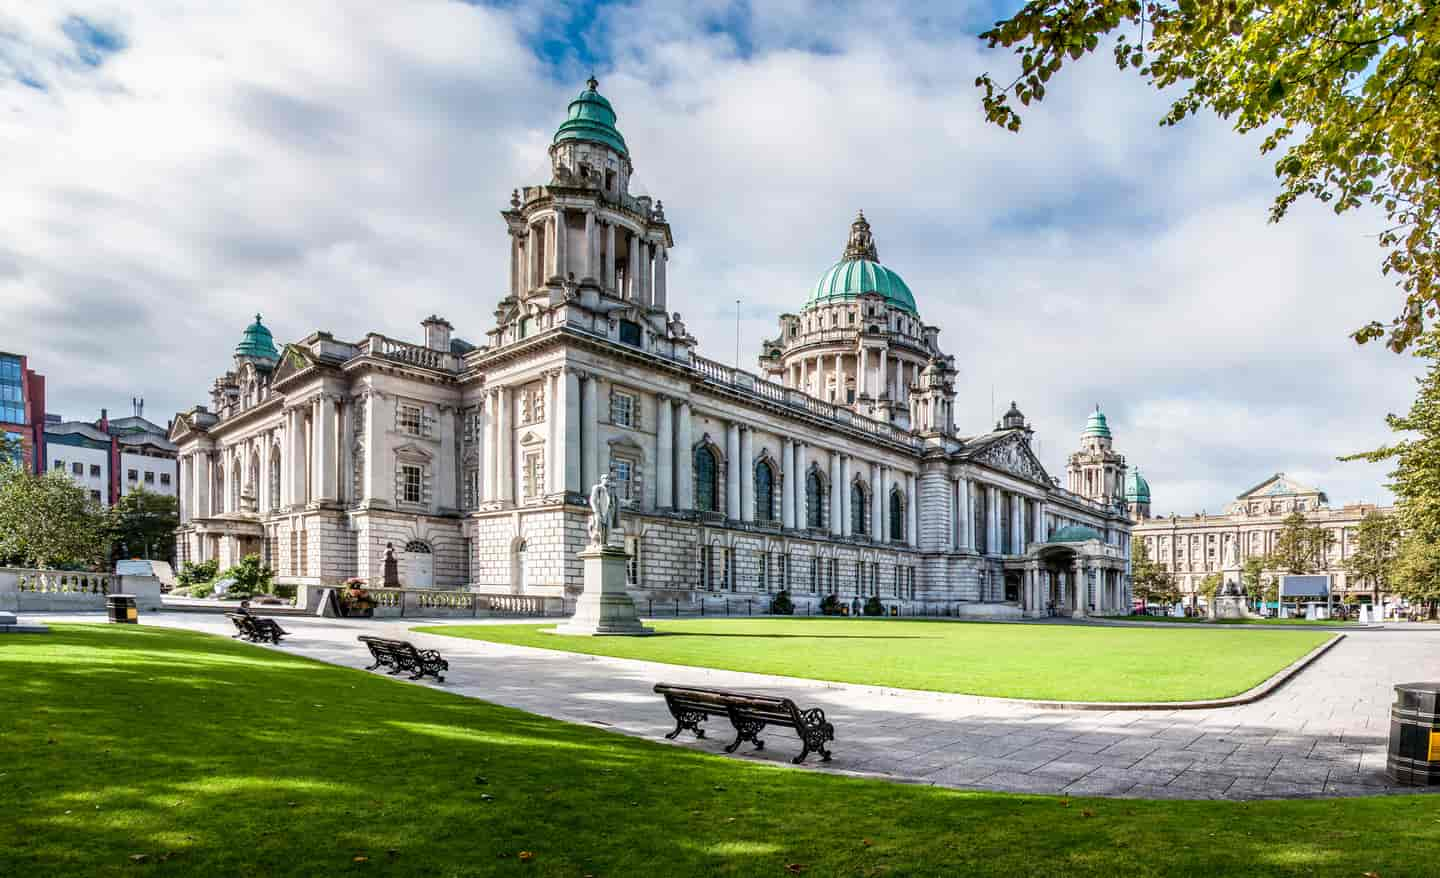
[{"x": 340, "y": 166}]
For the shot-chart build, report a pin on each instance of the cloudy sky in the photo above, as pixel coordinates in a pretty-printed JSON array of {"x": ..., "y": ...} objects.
[{"x": 171, "y": 167}]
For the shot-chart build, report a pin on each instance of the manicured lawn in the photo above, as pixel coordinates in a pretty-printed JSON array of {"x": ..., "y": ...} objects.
[
  {"x": 203, "y": 756},
  {"x": 1204, "y": 621},
  {"x": 1074, "y": 663}
]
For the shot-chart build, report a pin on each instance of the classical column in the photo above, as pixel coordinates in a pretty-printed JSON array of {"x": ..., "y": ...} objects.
[
  {"x": 966, "y": 529},
  {"x": 747, "y": 475},
  {"x": 632, "y": 270},
  {"x": 505, "y": 448},
  {"x": 567, "y": 407},
  {"x": 684, "y": 460},
  {"x": 787, "y": 483},
  {"x": 835, "y": 526},
  {"x": 554, "y": 436},
  {"x": 203, "y": 479},
  {"x": 732, "y": 471},
  {"x": 610, "y": 257},
  {"x": 515, "y": 257},
  {"x": 804, "y": 384},
  {"x": 912, "y": 517},
  {"x": 645, "y": 275},
  {"x": 590, "y": 433},
  {"x": 562, "y": 244},
  {"x": 1039, "y": 511},
  {"x": 882, "y": 503},
  {"x": 884, "y": 389},
  {"x": 590, "y": 245},
  {"x": 839, "y": 376},
  {"x": 662, "y": 256},
  {"x": 1082, "y": 589},
  {"x": 664, "y": 452},
  {"x": 802, "y": 508},
  {"x": 295, "y": 433},
  {"x": 877, "y": 502},
  {"x": 1017, "y": 524},
  {"x": 847, "y": 527}
]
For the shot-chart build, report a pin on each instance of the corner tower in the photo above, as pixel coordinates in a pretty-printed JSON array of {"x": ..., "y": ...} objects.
[
  {"x": 1096, "y": 472},
  {"x": 1137, "y": 496}
]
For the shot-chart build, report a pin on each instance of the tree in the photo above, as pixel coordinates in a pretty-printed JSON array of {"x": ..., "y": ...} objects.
[
  {"x": 1299, "y": 547},
  {"x": 1377, "y": 541},
  {"x": 49, "y": 521},
  {"x": 1150, "y": 581},
  {"x": 1257, "y": 585},
  {"x": 1416, "y": 572},
  {"x": 1350, "y": 89},
  {"x": 10, "y": 449},
  {"x": 143, "y": 524}
]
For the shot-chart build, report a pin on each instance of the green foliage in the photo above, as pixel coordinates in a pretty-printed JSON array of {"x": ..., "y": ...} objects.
[
  {"x": 195, "y": 572},
  {"x": 49, "y": 521},
  {"x": 1299, "y": 547},
  {"x": 1348, "y": 88},
  {"x": 1149, "y": 581},
  {"x": 250, "y": 578},
  {"x": 10, "y": 449},
  {"x": 1377, "y": 541},
  {"x": 873, "y": 607},
  {"x": 202, "y": 589},
  {"x": 1210, "y": 585},
  {"x": 830, "y": 605},
  {"x": 143, "y": 524},
  {"x": 1415, "y": 574},
  {"x": 781, "y": 605}
]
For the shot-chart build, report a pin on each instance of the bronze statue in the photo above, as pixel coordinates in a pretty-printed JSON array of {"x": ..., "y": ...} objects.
[{"x": 392, "y": 567}]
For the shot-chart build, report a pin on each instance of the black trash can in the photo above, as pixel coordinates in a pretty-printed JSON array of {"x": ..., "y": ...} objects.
[
  {"x": 1414, "y": 755},
  {"x": 121, "y": 608}
]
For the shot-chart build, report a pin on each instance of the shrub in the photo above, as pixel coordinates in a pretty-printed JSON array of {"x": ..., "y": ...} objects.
[
  {"x": 830, "y": 605},
  {"x": 202, "y": 589},
  {"x": 287, "y": 591},
  {"x": 192, "y": 573},
  {"x": 251, "y": 578},
  {"x": 873, "y": 607},
  {"x": 781, "y": 605}
]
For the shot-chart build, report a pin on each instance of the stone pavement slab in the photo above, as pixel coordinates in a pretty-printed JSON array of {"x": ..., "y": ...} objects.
[{"x": 1323, "y": 733}]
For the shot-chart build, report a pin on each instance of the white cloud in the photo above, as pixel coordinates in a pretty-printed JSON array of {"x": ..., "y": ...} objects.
[{"x": 340, "y": 167}]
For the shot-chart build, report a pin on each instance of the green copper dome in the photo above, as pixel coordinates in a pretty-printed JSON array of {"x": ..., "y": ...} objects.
[
  {"x": 257, "y": 342},
  {"x": 1097, "y": 426},
  {"x": 1074, "y": 533},
  {"x": 858, "y": 272},
  {"x": 1137, "y": 490},
  {"x": 592, "y": 119}
]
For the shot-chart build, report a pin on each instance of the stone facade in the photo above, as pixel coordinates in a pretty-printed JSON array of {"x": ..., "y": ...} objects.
[
  {"x": 1194, "y": 546},
  {"x": 838, "y": 469}
]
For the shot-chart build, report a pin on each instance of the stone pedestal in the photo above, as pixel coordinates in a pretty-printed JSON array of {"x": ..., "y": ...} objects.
[
  {"x": 1231, "y": 606},
  {"x": 605, "y": 607}
]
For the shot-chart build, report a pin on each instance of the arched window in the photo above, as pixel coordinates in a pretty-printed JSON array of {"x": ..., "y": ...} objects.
[
  {"x": 897, "y": 516},
  {"x": 421, "y": 547},
  {"x": 707, "y": 470},
  {"x": 814, "y": 500},
  {"x": 857, "y": 509},
  {"x": 274, "y": 480},
  {"x": 764, "y": 492}
]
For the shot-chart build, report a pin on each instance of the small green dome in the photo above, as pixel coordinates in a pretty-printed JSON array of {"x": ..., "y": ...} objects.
[
  {"x": 858, "y": 272},
  {"x": 1137, "y": 490},
  {"x": 257, "y": 342},
  {"x": 1097, "y": 426},
  {"x": 592, "y": 119},
  {"x": 1074, "y": 533}
]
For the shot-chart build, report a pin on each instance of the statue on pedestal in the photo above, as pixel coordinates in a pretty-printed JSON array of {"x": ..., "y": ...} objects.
[
  {"x": 604, "y": 512},
  {"x": 392, "y": 567}
]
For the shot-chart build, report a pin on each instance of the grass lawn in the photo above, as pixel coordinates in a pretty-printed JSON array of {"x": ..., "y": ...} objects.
[
  {"x": 1073, "y": 663},
  {"x": 1204, "y": 621},
  {"x": 135, "y": 751}
]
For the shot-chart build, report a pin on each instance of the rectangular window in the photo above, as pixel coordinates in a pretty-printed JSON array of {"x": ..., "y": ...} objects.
[
  {"x": 727, "y": 573},
  {"x": 149, "y": 477},
  {"x": 707, "y": 570},
  {"x": 410, "y": 484},
  {"x": 94, "y": 471},
  {"x": 133, "y": 475},
  {"x": 59, "y": 464},
  {"x": 764, "y": 571},
  {"x": 875, "y": 578},
  {"x": 534, "y": 474},
  {"x": 834, "y": 580},
  {"x": 165, "y": 478},
  {"x": 411, "y": 420},
  {"x": 77, "y": 469},
  {"x": 622, "y": 471},
  {"x": 784, "y": 572},
  {"x": 632, "y": 566},
  {"x": 814, "y": 576},
  {"x": 622, "y": 409}
]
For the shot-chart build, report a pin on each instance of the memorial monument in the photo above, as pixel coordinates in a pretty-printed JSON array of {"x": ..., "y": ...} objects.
[
  {"x": 1231, "y": 602},
  {"x": 604, "y": 607}
]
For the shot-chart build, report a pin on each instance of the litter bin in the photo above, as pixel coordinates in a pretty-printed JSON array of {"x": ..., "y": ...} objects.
[
  {"x": 121, "y": 608},
  {"x": 1414, "y": 755}
]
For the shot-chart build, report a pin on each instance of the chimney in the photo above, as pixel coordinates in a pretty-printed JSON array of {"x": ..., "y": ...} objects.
[
  {"x": 137, "y": 405},
  {"x": 437, "y": 333},
  {"x": 104, "y": 420}
]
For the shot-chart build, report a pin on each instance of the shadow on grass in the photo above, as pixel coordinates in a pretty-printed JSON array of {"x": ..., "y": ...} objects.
[{"x": 201, "y": 755}]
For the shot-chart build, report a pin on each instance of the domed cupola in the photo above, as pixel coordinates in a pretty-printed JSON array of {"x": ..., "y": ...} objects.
[
  {"x": 1137, "y": 490},
  {"x": 257, "y": 344},
  {"x": 1097, "y": 425},
  {"x": 859, "y": 272},
  {"x": 1012, "y": 420},
  {"x": 592, "y": 119}
]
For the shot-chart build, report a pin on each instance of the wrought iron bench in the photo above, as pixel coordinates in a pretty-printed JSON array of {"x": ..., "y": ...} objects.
[
  {"x": 749, "y": 714},
  {"x": 256, "y": 629},
  {"x": 401, "y": 655}
]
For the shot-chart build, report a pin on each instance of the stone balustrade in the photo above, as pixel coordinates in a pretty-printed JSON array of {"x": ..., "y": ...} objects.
[
  {"x": 32, "y": 590},
  {"x": 396, "y": 602},
  {"x": 411, "y": 354}
]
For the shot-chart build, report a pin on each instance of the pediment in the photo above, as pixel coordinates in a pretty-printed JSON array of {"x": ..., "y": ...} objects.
[
  {"x": 1278, "y": 485},
  {"x": 1013, "y": 455},
  {"x": 411, "y": 450},
  {"x": 293, "y": 359}
]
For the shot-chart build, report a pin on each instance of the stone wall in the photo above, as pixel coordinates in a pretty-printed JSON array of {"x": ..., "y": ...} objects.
[{"x": 26, "y": 590}]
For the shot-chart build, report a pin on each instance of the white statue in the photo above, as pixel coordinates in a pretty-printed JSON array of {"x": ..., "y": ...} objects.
[
  {"x": 1232, "y": 554},
  {"x": 604, "y": 512}
]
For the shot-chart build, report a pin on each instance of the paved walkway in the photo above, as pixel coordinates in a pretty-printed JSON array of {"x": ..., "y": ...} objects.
[{"x": 1322, "y": 734}]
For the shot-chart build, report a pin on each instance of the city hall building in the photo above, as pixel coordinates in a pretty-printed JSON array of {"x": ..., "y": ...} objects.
[{"x": 836, "y": 467}]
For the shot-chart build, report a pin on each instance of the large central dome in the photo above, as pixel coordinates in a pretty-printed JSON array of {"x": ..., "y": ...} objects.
[
  {"x": 858, "y": 272},
  {"x": 591, "y": 118}
]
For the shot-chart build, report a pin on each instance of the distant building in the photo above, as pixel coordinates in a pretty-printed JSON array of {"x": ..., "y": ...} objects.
[
  {"x": 1194, "y": 546},
  {"x": 113, "y": 458},
  {"x": 22, "y": 409}
]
